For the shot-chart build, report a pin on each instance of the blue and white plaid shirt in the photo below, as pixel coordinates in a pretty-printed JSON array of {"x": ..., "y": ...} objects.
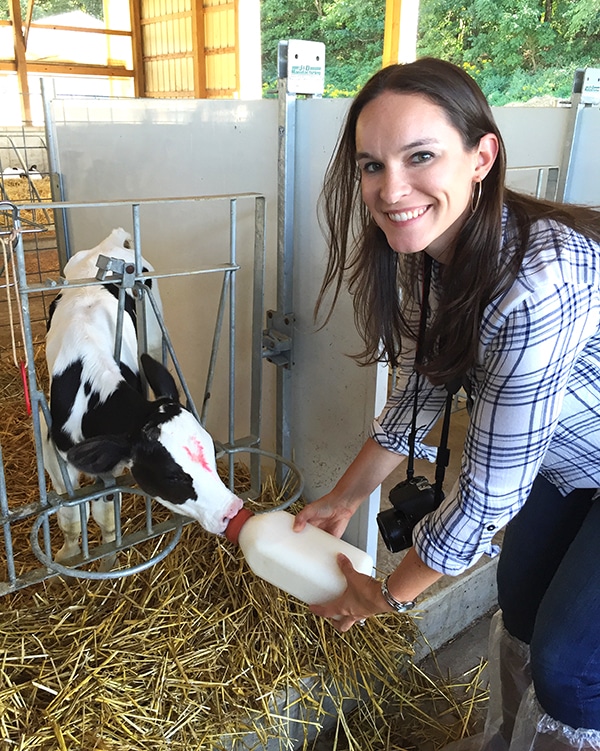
[{"x": 536, "y": 400}]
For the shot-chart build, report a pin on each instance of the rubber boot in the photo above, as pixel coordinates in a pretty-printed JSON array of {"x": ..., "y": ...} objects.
[
  {"x": 536, "y": 731},
  {"x": 509, "y": 677}
]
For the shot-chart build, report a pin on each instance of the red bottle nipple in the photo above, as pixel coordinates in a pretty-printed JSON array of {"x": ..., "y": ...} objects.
[{"x": 232, "y": 531}]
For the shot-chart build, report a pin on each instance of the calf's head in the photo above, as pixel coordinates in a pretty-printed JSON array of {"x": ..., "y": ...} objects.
[{"x": 171, "y": 456}]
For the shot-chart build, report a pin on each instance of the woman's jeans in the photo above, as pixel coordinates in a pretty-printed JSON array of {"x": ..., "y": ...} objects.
[{"x": 549, "y": 593}]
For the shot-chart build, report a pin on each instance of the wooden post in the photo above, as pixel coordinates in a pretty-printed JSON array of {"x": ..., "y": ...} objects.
[
  {"x": 20, "y": 59},
  {"x": 199, "y": 49},
  {"x": 137, "y": 44},
  {"x": 400, "y": 34}
]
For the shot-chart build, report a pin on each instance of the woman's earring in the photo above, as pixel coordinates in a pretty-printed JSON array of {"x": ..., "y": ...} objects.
[{"x": 476, "y": 196}]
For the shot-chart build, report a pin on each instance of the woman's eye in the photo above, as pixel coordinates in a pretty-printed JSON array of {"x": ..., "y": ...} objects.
[
  {"x": 421, "y": 157},
  {"x": 370, "y": 167}
]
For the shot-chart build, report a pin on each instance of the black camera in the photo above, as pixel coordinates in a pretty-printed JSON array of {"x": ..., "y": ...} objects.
[{"x": 411, "y": 500}]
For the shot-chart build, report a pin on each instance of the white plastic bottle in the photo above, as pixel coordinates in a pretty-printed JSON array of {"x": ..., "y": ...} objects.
[{"x": 303, "y": 564}]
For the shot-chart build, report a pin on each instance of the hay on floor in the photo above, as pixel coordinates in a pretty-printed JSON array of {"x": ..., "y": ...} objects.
[
  {"x": 24, "y": 191},
  {"x": 193, "y": 653},
  {"x": 197, "y": 653}
]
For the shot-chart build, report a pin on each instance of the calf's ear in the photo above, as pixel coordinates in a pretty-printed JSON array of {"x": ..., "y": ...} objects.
[
  {"x": 159, "y": 378},
  {"x": 99, "y": 455}
]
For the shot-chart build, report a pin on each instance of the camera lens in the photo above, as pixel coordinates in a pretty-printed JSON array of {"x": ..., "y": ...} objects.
[{"x": 395, "y": 533}]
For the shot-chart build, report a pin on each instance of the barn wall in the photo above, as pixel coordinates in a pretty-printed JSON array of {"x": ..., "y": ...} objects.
[
  {"x": 168, "y": 48},
  {"x": 201, "y": 48}
]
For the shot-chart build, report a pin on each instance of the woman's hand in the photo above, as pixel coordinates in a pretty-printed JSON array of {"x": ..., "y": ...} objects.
[
  {"x": 361, "y": 599},
  {"x": 332, "y": 512},
  {"x": 329, "y": 513},
  {"x": 362, "y": 596}
]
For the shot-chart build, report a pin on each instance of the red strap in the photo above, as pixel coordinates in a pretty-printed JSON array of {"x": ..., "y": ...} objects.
[{"x": 25, "y": 387}]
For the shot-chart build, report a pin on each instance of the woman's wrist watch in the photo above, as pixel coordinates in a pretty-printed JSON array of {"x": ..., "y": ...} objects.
[{"x": 399, "y": 607}]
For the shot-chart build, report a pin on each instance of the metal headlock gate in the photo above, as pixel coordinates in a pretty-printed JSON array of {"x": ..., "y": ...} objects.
[{"x": 37, "y": 514}]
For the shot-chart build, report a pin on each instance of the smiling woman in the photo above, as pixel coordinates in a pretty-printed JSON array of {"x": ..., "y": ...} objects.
[{"x": 457, "y": 279}]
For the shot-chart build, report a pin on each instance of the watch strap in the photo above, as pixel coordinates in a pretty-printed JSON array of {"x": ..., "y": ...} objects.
[{"x": 399, "y": 607}]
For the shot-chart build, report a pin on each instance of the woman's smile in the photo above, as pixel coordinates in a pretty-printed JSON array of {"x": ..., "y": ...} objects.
[{"x": 406, "y": 216}]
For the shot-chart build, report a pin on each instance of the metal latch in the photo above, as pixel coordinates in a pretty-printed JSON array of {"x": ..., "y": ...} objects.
[
  {"x": 277, "y": 338},
  {"x": 125, "y": 272}
]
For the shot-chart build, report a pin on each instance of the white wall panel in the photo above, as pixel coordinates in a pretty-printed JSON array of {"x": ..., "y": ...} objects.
[
  {"x": 135, "y": 149},
  {"x": 583, "y": 182}
]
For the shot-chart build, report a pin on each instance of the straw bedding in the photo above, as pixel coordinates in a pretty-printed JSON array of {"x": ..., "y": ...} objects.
[
  {"x": 24, "y": 191},
  {"x": 196, "y": 653}
]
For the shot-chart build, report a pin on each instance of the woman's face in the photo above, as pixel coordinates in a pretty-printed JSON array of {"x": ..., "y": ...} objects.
[{"x": 416, "y": 176}]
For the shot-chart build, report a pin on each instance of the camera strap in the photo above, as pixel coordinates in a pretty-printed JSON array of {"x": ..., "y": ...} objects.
[{"x": 443, "y": 452}]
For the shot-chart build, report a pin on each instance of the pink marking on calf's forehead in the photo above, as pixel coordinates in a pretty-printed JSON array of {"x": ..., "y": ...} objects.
[{"x": 196, "y": 453}]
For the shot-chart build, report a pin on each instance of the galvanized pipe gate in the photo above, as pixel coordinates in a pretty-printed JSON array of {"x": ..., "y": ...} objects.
[{"x": 38, "y": 514}]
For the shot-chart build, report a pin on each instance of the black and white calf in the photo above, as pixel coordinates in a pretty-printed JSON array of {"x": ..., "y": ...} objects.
[{"x": 101, "y": 420}]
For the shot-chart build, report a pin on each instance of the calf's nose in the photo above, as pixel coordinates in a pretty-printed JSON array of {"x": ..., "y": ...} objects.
[{"x": 232, "y": 509}]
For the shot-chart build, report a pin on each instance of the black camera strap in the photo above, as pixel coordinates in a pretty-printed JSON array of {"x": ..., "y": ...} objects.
[{"x": 443, "y": 452}]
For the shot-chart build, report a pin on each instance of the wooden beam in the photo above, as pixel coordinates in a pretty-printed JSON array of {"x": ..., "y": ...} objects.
[
  {"x": 20, "y": 60},
  {"x": 82, "y": 29},
  {"x": 198, "y": 44},
  {"x": 400, "y": 33},
  {"x": 166, "y": 16},
  {"x": 237, "y": 47},
  {"x": 70, "y": 69},
  {"x": 137, "y": 43},
  {"x": 28, "y": 18}
]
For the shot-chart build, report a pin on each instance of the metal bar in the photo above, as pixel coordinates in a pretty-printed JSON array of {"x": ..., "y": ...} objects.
[
  {"x": 116, "y": 501},
  {"x": 53, "y": 284},
  {"x": 56, "y": 184},
  {"x": 149, "y": 525},
  {"x": 232, "y": 331},
  {"x": 139, "y": 291},
  {"x": 257, "y": 330},
  {"x": 285, "y": 252},
  {"x": 146, "y": 201},
  {"x": 83, "y": 521},
  {"x": 10, "y": 559},
  {"x": 169, "y": 344},
  {"x": 31, "y": 374},
  {"x": 119, "y": 323},
  {"x": 215, "y": 346},
  {"x": 540, "y": 182},
  {"x": 564, "y": 176}
]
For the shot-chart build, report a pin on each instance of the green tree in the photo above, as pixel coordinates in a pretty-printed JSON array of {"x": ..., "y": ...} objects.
[
  {"x": 352, "y": 31},
  {"x": 515, "y": 49},
  {"x": 43, "y": 8}
]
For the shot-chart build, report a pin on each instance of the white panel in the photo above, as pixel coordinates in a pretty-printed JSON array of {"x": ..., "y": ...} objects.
[
  {"x": 335, "y": 400},
  {"x": 583, "y": 184},
  {"x": 533, "y": 135},
  {"x": 133, "y": 149}
]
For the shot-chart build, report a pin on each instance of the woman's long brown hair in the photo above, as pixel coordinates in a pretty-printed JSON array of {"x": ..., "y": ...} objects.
[{"x": 383, "y": 282}]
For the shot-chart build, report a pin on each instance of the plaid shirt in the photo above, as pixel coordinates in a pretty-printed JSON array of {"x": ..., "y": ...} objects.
[{"x": 535, "y": 391}]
